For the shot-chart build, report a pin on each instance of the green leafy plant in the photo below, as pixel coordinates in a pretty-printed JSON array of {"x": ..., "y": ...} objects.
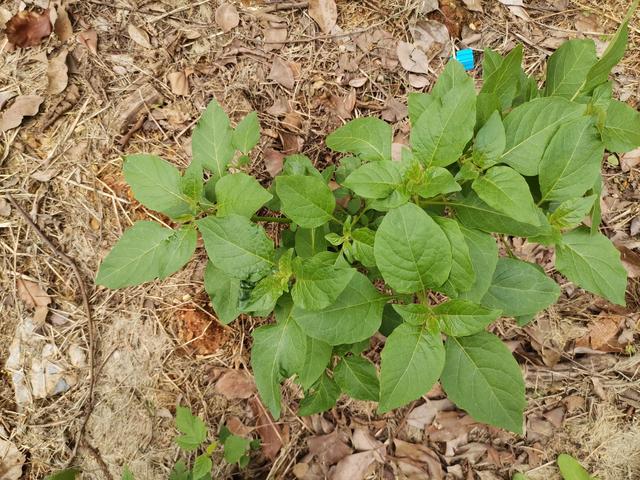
[
  {"x": 570, "y": 469},
  {"x": 407, "y": 243}
]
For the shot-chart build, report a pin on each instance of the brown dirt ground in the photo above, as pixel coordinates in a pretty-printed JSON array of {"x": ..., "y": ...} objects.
[{"x": 67, "y": 176}]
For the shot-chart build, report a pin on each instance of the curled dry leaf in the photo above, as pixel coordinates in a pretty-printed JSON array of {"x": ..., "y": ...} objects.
[
  {"x": 273, "y": 437},
  {"x": 5, "y": 208},
  {"x": 57, "y": 73},
  {"x": 179, "y": 83},
  {"x": 139, "y": 36},
  {"x": 273, "y": 161},
  {"x": 274, "y": 38},
  {"x": 89, "y": 38},
  {"x": 26, "y": 29},
  {"x": 431, "y": 37},
  {"x": 516, "y": 7},
  {"x": 412, "y": 58},
  {"x": 281, "y": 73},
  {"x": 354, "y": 467},
  {"x": 5, "y": 97},
  {"x": 227, "y": 17},
  {"x": 427, "y": 6},
  {"x": 11, "y": 461},
  {"x": 34, "y": 296},
  {"x": 474, "y": 5},
  {"x": 418, "y": 81},
  {"x": 62, "y": 25},
  {"x": 325, "y": 14},
  {"x": 23, "y": 106},
  {"x": 200, "y": 333},
  {"x": 235, "y": 384},
  {"x": 630, "y": 260},
  {"x": 329, "y": 449},
  {"x": 602, "y": 335}
]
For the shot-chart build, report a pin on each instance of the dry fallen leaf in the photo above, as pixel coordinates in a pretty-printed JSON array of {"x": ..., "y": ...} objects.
[
  {"x": 11, "y": 461},
  {"x": 5, "y": 208},
  {"x": 432, "y": 37},
  {"x": 273, "y": 161},
  {"x": 57, "y": 73},
  {"x": 516, "y": 7},
  {"x": 418, "y": 81},
  {"x": 630, "y": 261},
  {"x": 5, "y": 97},
  {"x": 227, "y": 17},
  {"x": 26, "y": 29},
  {"x": 62, "y": 26},
  {"x": 474, "y": 5},
  {"x": 274, "y": 38},
  {"x": 394, "y": 110},
  {"x": 139, "y": 36},
  {"x": 235, "y": 426},
  {"x": 412, "y": 58},
  {"x": 235, "y": 384},
  {"x": 34, "y": 296},
  {"x": 354, "y": 467},
  {"x": 422, "y": 454},
  {"x": 272, "y": 436},
  {"x": 281, "y": 73},
  {"x": 602, "y": 335},
  {"x": 89, "y": 39},
  {"x": 329, "y": 449},
  {"x": 200, "y": 333},
  {"x": 325, "y": 13},
  {"x": 23, "y": 106},
  {"x": 423, "y": 415},
  {"x": 427, "y": 6},
  {"x": 179, "y": 83}
]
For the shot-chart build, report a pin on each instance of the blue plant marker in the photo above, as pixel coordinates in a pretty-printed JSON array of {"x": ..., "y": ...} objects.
[{"x": 465, "y": 57}]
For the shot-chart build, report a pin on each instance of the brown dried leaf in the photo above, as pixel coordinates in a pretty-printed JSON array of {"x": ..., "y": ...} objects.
[
  {"x": 235, "y": 384},
  {"x": 235, "y": 426},
  {"x": 32, "y": 293},
  {"x": 57, "y": 73},
  {"x": 421, "y": 454},
  {"x": 602, "y": 335},
  {"x": 630, "y": 160},
  {"x": 5, "y": 208},
  {"x": 5, "y": 97},
  {"x": 89, "y": 39},
  {"x": 418, "y": 81},
  {"x": 23, "y": 106},
  {"x": 412, "y": 58},
  {"x": 630, "y": 261},
  {"x": 329, "y": 449},
  {"x": 394, "y": 110},
  {"x": 11, "y": 461},
  {"x": 474, "y": 5},
  {"x": 62, "y": 26},
  {"x": 432, "y": 37},
  {"x": 423, "y": 415},
  {"x": 325, "y": 14},
  {"x": 274, "y": 38},
  {"x": 516, "y": 7},
  {"x": 200, "y": 333},
  {"x": 139, "y": 36},
  {"x": 273, "y": 161},
  {"x": 26, "y": 29},
  {"x": 357, "y": 82},
  {"x": 281, "y": 73},
  {"x": 362, "y": 440},
  {"x": 227, "y": 17},
  {"x": 179, "y": 83},
  {"x": 354, "y": 467},
  {"x": 273, "y": 437}
]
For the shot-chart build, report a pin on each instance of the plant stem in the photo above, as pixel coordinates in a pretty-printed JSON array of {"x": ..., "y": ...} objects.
[{"x": 260, "y": 218}]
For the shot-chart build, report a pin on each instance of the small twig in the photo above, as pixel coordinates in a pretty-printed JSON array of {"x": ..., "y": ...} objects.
[
  {"x": 98, "y": 458},
  {"x": 87, "y": 308},
  {"x": 277, "y": 7},
  {"x": 134, "y": 128}
]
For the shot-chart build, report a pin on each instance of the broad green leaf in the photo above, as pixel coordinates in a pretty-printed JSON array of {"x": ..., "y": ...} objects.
[
  {"x": 126, "y": 474},
  {"x": 192, "y": 183},
  {"x": 571, "y": 469},
  {"x": 418, "y": 103},
  {"x": 484, "y": 257},
  {"x": 316, "y": 358},
  {"x": 346, "y": 166},
  {"x": 490, "y": 63},
  {"x": 527, "y": 89},
  {"x": 412, "y": 360},
  {"x": 453, "y": 78},
  {"x": 235, "y": 448},
  {"x": 505, "y": 190},
  {"x": 300, "y": 165},
  {"x": 567, "y": 68},
  {"x": 621, "y": 131},
  {"x": 278, "y": 352},
  {"x": 411, "y": 250},
  {"x": 193, "y": 429},
  {"x": 520, "y": 476},
  {"x": 486, "y": 104},
  {"x": 395, "y": 200},
  {"x": 481, "y": 376},
  {"x": 202, "y": 467},
  {"x": 391, "y": 319},
  {"x": 362, "y": 247},
  {"x": 211, "y": 141},
  {"x": 224, "y": 292},
  {"x": 446, "y": 126},
  {"x": 490, "y": 141},
  {"x": 66, "y": 474},
  {"x": 502, "y": 78},
  {"x": 370, "y": 138},
  {"x": 474, "y": 213},
  {"x": 593, "y": 263},
  {"x": 462, "y": 274},
  {"x": 530, "y": 126},
  {"x": 431, "y": 182},
  {"x": 310, "y": 241},
  {"x": 307, "y": 201},
  {"x": 324, "y": 396},
  {"x": 599, "y": 72},
  {"x": 416, "y": 314},
  {"x": 180, "y": 472},
  {"x": 357, "y": 377},
  {"x": 355, "y": 315},
  {"x": 596, "y": 213},
  {"x": 146, "y": 251},
  {"x": 520, "y": 288},
  {"x": 265, "y": 294},
  {"x": 374, "y": 180},
  {"x": 247, "y": 133},
  {"x": 460, "y": 318},
  {"x": 318, "y": 285},
  {"x": 571, "y": 213},
  {"x": 236, "y": 246},
  {"x": 240, "y": 194},
  {"x": 571, "y": 162},
  {"x": 157, "y": 185}
]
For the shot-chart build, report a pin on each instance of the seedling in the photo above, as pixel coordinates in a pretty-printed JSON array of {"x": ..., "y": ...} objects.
[{"x": 407, "y": 243}]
